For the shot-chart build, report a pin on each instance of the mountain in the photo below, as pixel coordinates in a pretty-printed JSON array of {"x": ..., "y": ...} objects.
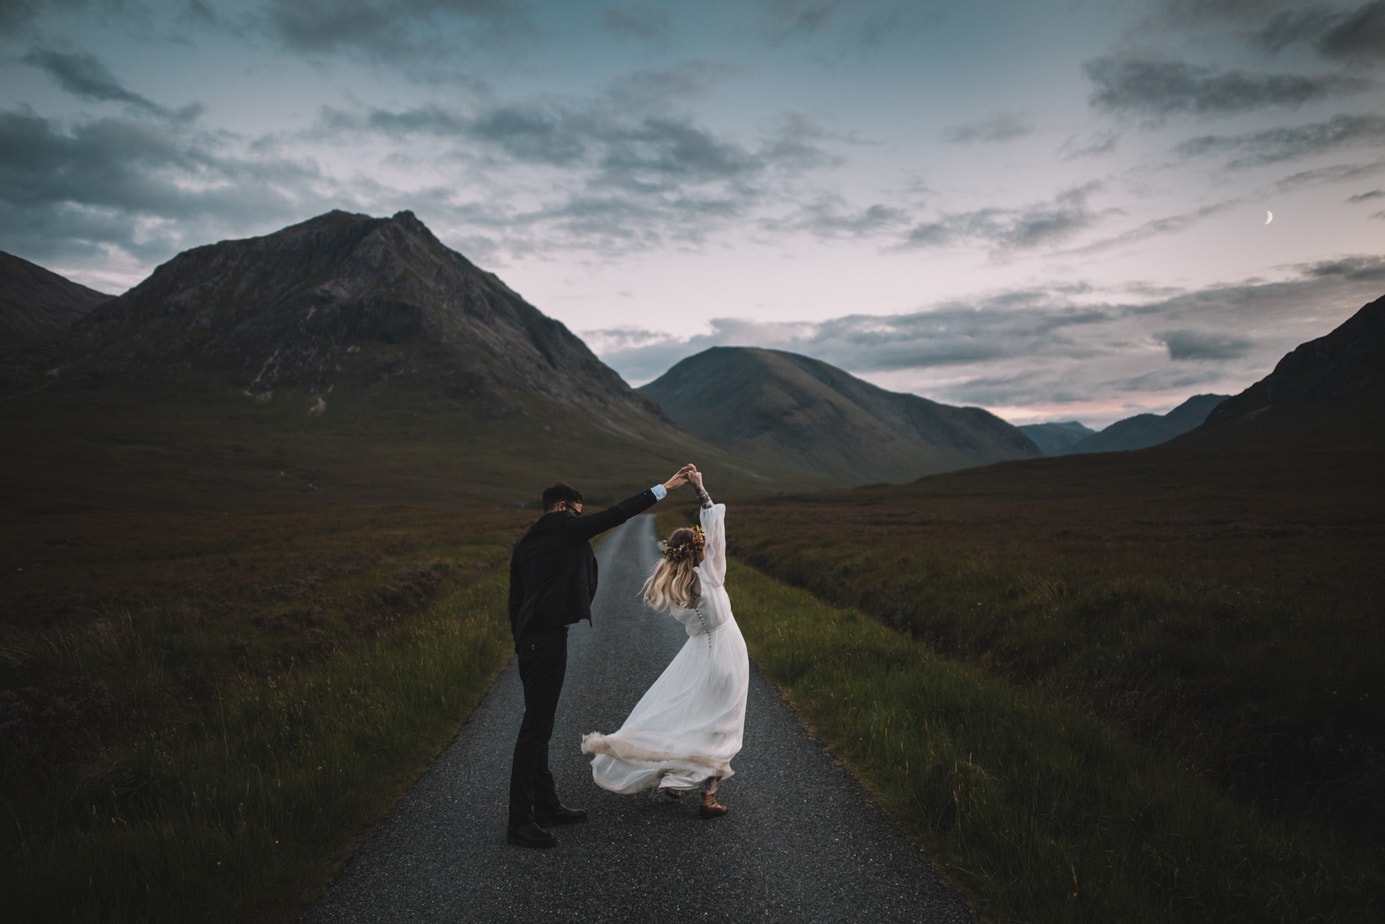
[
  {"x": 342, "y": 300},
  {"x": 346, "y": 358},
  {"x": 1324, "y": 400},
  {"x": 1054, "y": 439},
  {"x": 37, "y": 305},
  {"x": 1344, "y": 369},
  {"x": 1145, "y": 430},
  {"x": 773, "y": 408}
]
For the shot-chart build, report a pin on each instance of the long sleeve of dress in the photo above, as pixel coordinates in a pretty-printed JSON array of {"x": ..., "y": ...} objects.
[{"x": 713, "y": 567}]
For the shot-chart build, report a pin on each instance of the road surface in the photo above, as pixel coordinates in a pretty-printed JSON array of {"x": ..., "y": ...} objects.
[{"x": 802, "y": 842}]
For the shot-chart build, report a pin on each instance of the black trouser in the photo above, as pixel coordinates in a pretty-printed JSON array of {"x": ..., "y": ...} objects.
[{"x": 542, "y": 666}]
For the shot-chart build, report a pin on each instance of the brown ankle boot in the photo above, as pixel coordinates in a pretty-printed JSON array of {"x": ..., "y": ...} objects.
[{"x": 711, "y": 808}]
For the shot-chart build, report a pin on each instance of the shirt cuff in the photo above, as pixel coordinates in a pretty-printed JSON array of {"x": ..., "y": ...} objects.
[{"x": 660, "y": 492}]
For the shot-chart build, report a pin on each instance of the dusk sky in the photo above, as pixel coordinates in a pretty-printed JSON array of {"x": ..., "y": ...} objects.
[{"x": 1053, "y": 209}]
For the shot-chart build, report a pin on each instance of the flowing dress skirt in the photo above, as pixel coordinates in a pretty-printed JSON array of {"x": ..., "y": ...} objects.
[{"x": 689, "y": 723}]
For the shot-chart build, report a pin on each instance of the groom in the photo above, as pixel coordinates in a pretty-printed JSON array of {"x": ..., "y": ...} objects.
[{"x": 552, "y": 583}]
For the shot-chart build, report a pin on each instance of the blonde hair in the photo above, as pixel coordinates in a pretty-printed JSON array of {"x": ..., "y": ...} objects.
[{"x": 673, "y": 581}]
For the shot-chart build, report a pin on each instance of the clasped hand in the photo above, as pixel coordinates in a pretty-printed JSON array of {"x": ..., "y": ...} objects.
[{"x": 684, "y": 475}]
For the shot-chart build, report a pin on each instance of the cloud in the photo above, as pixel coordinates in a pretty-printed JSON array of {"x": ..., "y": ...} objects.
[
  {"x": 842, "y": 27},
  {"x": 646, "y": 25},
  {"x": 1165, "y": 87},
  {"x": 1002, "y": 127},
  {"x": 1359, "y": 37},
  {"x": 1169, "y": 224},
  {"x": 658, "y": 91},
  {"x": 1044, "y": 349},
  {"x": 641, "y": 356},
  {"x": 627, "y": 150},
  {"x": 1352, "y": 269},
  {"x": 417, "y": 36},
  {"x": 1296, "y": 26},
  {"x": 138, "y": 187},
  {"x": 1290, "y": 143},
  {"x": 1091, "y": 146},
  {"x": 782, "y": 20},
  {"x": 947, "y": 336},
  {"x": 829, "y": 216},
  {"x": 1194, "y": 14},
  {"x": 1185, "y": 345},
  {"x": 1351, "y": 36},
  {"x": 1331, "y": 173},
  {"x": 1036, "y": 225},
  {"x": 620, "y": 224},
  {"x": 199, "y": 12},
  {"x": 16, "y": 15},
  {"x": 673, "y": 148},
  {"x": 85, "y": 76},
  {"x": 537, "y": 135},
  {"x": 1367, "y": 196},
  {"x": 617, "y": 181},
  {"x": 796, "y": 144}
]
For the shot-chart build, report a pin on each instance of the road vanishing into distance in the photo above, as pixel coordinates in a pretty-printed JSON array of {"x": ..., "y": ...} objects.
[{"x": 802, "y": 841}]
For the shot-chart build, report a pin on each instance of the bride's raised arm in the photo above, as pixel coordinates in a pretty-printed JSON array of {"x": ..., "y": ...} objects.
[{"x": 712, "y": 517}]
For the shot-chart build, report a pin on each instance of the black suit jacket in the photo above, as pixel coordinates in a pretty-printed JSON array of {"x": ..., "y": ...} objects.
[{"x": 553, "y": 568}]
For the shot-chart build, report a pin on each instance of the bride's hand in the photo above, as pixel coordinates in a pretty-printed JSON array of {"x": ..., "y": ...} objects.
[{"x": 679, "y": 478}]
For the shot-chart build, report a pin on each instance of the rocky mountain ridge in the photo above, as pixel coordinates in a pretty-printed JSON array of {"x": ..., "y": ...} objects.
[
  {"x": 1345, "y": 366},
  {"x": 341, "y": 299}
]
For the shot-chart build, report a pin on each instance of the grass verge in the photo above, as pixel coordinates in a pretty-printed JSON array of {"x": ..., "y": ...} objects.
[
  {"x": 233, "y": 744},
  {"x": 1036, "y": 809}
]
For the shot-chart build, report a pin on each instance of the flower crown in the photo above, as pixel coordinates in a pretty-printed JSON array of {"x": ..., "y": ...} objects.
[{"x": 686, "y": 549}]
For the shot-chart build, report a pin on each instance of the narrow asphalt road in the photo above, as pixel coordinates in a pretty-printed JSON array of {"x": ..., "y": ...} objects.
[{"x": 802, "y": 841}]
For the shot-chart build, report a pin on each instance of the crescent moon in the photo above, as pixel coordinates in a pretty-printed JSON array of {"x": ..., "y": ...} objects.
[{"x": 1269, "y": 216}]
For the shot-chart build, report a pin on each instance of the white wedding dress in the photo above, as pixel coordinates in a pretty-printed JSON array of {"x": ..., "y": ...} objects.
[{"x": 689, "y": 723}]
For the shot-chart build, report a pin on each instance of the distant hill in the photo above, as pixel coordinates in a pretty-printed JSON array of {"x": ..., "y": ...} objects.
[
  {"x": 1056, "y": 438},
  {"x": 37, "y": 305},
  {"x": 772, "y": 408},
  {"x": 1144, "y": 430}
]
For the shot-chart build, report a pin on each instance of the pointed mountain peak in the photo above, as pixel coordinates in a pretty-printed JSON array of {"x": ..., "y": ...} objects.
[
  {"x": 344, "y": 299},
  {"x": 409, "y": 219}
]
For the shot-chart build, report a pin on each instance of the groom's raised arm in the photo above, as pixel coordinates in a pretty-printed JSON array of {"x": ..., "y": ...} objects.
[{"x": 589, "y": 526}]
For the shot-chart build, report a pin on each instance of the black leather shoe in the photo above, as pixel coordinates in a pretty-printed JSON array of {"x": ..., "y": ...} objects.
[
  {"x": 530, "y": 835},
  {"x": 562, "y": 815}
]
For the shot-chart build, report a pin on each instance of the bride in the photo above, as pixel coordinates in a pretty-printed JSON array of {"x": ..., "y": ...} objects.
[{"x": 684, "y": 731}]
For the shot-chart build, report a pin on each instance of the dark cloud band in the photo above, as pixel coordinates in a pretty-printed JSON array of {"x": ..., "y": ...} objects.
[{"x": 1164, "y": 87}]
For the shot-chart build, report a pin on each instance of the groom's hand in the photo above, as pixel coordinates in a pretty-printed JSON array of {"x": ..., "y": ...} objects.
[{"x": 680, "y": 477}]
